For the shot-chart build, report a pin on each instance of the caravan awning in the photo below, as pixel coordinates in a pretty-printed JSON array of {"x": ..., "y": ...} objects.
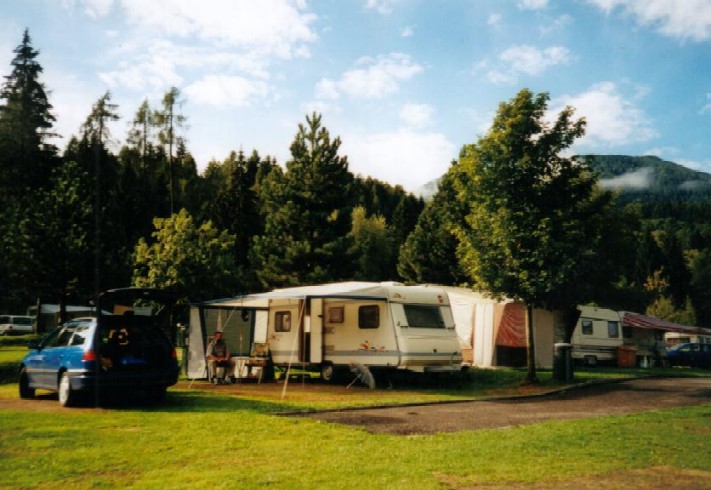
[
  {"x": 638, "y": 320},
  {"x": 352, "y": 289}
]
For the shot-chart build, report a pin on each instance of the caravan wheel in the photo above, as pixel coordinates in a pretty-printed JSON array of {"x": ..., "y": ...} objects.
[{"x": 328, "y": 372}]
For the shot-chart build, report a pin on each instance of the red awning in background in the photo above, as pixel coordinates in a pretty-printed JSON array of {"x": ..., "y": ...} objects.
[
  {"x": 512, "y": 330},
  {"x": 638, "y": 320}
]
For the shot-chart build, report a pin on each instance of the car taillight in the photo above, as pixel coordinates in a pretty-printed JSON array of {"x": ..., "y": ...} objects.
[{"x": 89, "y": 355}]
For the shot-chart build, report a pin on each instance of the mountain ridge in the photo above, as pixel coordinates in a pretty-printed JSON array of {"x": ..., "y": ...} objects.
[{"x": 633, "y": 177}]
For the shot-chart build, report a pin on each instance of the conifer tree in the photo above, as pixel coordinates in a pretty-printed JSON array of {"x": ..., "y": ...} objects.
[
  {"x": 26, "y": 120},
  {"x": 169, "y": 121},
  {"x": 307, "y": 213}
]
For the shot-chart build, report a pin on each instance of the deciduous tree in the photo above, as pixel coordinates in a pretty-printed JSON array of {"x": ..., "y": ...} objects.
[
  {"x": 533, "y": 217},
  {"x": 194, "y": 260}
]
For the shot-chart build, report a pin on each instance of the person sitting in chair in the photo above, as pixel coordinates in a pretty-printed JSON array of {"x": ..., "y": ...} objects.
[{"x": 218, "y": 356}]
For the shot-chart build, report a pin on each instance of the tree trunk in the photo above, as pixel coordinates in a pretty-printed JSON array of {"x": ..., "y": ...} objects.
[
  {"x": 531, "y": 377},
  {"x": 564, "y": 322}
]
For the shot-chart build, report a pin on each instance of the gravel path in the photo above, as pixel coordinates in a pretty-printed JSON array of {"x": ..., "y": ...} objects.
[{"x": 593, "y": 400}]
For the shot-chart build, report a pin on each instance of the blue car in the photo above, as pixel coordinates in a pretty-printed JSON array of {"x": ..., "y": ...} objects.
[
  {"x": 690, "y": 354},
  {"x": 123, "y": 351}
]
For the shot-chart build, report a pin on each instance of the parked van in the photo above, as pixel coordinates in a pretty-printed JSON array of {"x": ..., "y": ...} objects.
[
  {"x": 16, "y": 324},
  {"x": 597, "y": 336},
  {"x": 674, "y": 338}
]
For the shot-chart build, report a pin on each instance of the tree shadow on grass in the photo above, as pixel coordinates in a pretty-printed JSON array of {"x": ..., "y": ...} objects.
[{"x": 196, "y": 402}]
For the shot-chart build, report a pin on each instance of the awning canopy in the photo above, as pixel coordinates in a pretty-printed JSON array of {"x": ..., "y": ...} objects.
[
  {"x": 354, "y": 289},
  {"x": 637, "y": 320}
]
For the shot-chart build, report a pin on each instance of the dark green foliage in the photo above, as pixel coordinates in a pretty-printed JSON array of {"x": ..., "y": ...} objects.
[
  {"x": 26, "y": 156},
  {"x": 193, "y": 260},
  {"x": 429, "y": 254},
  {"x": 51, "y": 240},
  {"x": 307, "y": 213},
  {"x": 534, "y": 220},
  {"x": 373, "y": 247},
  {"x": 235, "y": 205},
  {"x": 674, "y": 206}
]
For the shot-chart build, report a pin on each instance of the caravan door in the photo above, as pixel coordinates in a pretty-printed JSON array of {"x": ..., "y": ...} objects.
[
  {"x": 285, "y": 331},
  {"x": 316, "y": 340}
]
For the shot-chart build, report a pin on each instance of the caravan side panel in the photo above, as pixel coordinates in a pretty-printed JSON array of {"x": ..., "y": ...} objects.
[
  {"x": 358, "y": 331},
  {"x": 597, "y": 336}
]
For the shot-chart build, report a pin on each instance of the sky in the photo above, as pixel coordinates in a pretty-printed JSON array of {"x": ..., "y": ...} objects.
[{"x": 403, "y": 83}]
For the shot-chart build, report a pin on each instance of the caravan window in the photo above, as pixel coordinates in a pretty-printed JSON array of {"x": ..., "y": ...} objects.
[
  {"x": 335, "y": 314},
  {"x": 368, "y": 316},
  {"x": 282, "y": 321},
  {"x": 587, "y": 326},
  {"x": 613, "y": 330},
  {"x": 424, "y": 316}
]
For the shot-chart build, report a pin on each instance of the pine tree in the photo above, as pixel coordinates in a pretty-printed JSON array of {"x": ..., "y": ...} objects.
[
  {"x": 26, "y": 120},
  {"x": 307, "y": 213},
  {"x": 169, "y": 120}
]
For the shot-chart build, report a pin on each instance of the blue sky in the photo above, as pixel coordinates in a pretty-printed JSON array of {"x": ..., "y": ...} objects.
[{"x": 404, "y": 83}]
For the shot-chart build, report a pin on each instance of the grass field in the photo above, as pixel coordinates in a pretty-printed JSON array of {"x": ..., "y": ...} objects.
[{"x": 206, "y": 440}]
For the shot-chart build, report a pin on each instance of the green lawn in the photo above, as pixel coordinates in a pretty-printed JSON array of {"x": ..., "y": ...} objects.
[
  {"x": 198, "y": 440},
  {"x": 203, "y": 440}
]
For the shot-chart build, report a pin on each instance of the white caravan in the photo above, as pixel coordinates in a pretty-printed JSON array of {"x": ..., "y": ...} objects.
[
  {"x": 597, "y": 336},
  {"x": 333, "y": 326}
]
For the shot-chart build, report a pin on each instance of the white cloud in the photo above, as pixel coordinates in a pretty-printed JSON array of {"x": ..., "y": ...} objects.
[
  {"x": 639, "y": 179},
  {"x": 707, "y": 107},
  {"x": 532, "y": 4},
  {"x": 556, "y": 25},
  {"x": 494, "y": 20},
  {"x": 170, "y": 38},
  {"x": 407, "y": 31},
  {"x": 533, "y": 61},
  {"x": 371, "y": 78},
  {"x": 688, "y": 19},
  {"x": 416, "y": 115},
  {"x": 384, "y": 7},
  {"x": 405, "y": 157},
  {"x": 162, "y": 63},
  {"x": 527, "y": 60},
  {"x": 226, "y": 91},
  {"x": 153, "y": 69},
  {"x": 612, "y": 118},
  {"x": 97, "y": 8},
  {"x": 277, "y": 27},
  {"x": 327, "y": 89}
]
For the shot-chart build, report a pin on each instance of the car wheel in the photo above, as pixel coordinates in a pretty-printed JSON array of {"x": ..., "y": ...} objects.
[
  {"x": 67, "y": 396},
  {"x": 25, "y": 390}
]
